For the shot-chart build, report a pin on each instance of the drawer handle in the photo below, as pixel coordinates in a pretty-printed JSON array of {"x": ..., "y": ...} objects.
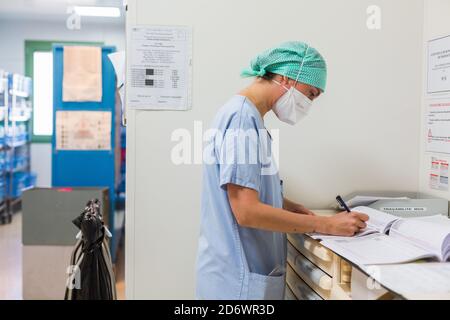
[
  {"x": 307, "y": 294},
  {"x": 316, "y": 275},
  {"x": 313, "y": 247},
  {"x": 318, "y": 250}
]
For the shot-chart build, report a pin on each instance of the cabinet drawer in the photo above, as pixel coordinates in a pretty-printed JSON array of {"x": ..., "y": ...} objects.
[
  {"x": 345, "y": 271},
  {"x": 288, "y": 294},
  {"x": 299, "y": 288},
  {"x": 314, "y": 251},
  {"x": 316, "y": 278}
]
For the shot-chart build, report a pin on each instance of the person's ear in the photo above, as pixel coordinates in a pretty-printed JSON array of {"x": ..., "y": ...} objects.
[{"x": 285, "y": 81}]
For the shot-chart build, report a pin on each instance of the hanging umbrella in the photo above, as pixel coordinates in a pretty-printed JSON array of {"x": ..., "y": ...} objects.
[{"x": 91, "y": 274}]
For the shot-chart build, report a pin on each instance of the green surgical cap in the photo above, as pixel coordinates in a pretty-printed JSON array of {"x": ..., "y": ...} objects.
[{"x": 286, "y": 60}]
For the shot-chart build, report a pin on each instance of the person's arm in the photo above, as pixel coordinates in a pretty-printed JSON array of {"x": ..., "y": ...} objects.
[
  {"x": 250, "y": 212},
  {"x": 296, "y": 207}
]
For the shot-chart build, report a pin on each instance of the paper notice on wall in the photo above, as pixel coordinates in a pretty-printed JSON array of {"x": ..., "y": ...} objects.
[
  {"x": 82, "y": 74},
  {"x": 439, "y": 174},
  {"x": 83, "y": 130},
  {"x": 159, "y": 75},
  {"x": 119, "y": 63},
  {"x": 439, "y": 65},
  {"x": 438, "y": 126}
]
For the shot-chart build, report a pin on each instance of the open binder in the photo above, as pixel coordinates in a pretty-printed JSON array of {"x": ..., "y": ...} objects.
[{"x": 389, "y": 239}]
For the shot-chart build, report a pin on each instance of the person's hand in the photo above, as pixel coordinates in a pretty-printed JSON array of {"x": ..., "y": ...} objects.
[{"x": 345, "y": 223}]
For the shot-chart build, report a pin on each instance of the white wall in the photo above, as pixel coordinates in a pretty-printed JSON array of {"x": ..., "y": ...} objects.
[
  {"x": 41, "y": 163},
  {"x": 362, "y": 134},
  {"x": 12, "y": 59},
  {"x": 13, "y": 34},
  {"x": 436, "y": 24}
]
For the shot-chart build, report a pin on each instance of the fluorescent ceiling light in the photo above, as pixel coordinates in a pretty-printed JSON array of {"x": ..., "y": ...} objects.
[{"x": 97, "y": 11}]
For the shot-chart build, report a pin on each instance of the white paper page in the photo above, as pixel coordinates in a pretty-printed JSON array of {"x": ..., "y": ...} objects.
[
  {"x": 118, "y": 62},
  {"x": 375, "y": 249},
  {"x": 378, "y": 222},
  {"x": 426, "y": 233},
  {"x": 321, "y": 236},
  {"x": 366, "y": 200},
  {"x": 160, "y": 68},
  {"x": 438, "y": 218},
  {"x": 414, "y": 278}
]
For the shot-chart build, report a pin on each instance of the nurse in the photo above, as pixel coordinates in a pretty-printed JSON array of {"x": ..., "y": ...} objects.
[{"x": 244, "y": 216}]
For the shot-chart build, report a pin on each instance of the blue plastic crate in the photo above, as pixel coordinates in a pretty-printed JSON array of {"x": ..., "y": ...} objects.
[
  {"x": 21, "y": 181},
  {"x": 3, "y": 161},
  {"x": 2, "y": 191},
  {"x": 31, "y": 180},
  {"x": 19, "y": 162},
  {"x": 2, "y": 136},
  {"x": 17, "y": 141},
  {"x": 21, "y": 151},
  {"x": 18, "y": 184},
  {"x": 20, "y": 135}
]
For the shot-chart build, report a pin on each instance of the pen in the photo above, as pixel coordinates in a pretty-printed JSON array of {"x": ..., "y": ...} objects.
[{"x": 342, "y": 203}]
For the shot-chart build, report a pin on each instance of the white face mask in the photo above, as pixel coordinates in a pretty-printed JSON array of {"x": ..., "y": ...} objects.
[{"x": 292, "y": 106}]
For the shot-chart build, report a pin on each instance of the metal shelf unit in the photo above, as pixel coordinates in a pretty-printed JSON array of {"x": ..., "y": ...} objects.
[{"x": 15, "y": 116}]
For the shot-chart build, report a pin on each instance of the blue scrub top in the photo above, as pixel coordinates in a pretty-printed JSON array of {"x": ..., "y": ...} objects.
[{"x": 236, "y": 262}]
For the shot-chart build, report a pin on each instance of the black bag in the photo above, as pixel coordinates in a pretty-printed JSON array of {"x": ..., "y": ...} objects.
[{"x": 91, "y": 273}]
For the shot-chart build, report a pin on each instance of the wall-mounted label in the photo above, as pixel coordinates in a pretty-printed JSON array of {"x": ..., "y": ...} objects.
[
  {"x": 439, "y": 65},
  {"x": 438, "y": 174},
  {"x": 437, "y": 126},
  {"x": 159, "y": 74},
  {"x": 403, "y": 209}
]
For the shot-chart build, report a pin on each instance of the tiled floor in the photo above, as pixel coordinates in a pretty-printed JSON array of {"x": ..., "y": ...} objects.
[
  {"x": 119, "y": 270},
  {"x": 11, "y": 262},
  {"x": 11, "y": 259}
]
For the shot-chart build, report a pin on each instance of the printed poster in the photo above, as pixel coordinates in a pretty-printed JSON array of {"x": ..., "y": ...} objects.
[
  {"x": 160, "y": 68},
  {"x": 83, "y": 130},
  {"x": 438, "y": 77},
  {"x": 439, "y": 174},
  {"x": 438, "y": 126}
]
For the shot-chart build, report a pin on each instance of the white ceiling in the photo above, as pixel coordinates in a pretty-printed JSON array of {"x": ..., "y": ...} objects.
[{"x": 55, "y": 10}]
